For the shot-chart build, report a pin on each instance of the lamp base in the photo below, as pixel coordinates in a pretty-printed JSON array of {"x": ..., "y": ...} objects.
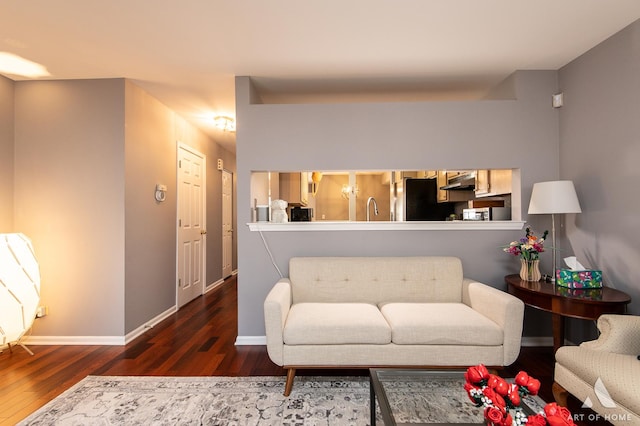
[{"x": 19, "y": 344}]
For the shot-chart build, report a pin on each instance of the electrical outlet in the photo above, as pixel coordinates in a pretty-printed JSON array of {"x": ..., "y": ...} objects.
[{"x": 42, "y": 311}]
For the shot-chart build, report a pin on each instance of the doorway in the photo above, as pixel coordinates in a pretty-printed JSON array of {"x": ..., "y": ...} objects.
[
  {"x": 227, "y": 224},
  {"x": 191, "y": 250}
]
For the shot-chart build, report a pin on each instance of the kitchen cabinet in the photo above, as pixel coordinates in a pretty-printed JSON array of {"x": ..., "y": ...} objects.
[
  {"x": 294, "y": 188},
  {"x": 445, "y": 196},
  {"x": 493, "y": 182}
]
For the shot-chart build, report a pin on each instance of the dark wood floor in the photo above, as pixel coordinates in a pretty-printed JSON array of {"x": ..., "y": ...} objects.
[{"x": 196, "y": 341}]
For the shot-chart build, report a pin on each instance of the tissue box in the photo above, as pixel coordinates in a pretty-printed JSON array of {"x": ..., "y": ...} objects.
[{"x": 589, "y": 278}]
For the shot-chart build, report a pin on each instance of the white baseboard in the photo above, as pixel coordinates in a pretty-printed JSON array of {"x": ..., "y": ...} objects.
[
  {"x": 251, "y": 340},
  {"x": 150, "y": 324},
  {"x": 262, "y": 340},
  {"x": 213, "y": 286},
  {"x": 74, "y": 340},
  {"x": 98, "y": 340}
]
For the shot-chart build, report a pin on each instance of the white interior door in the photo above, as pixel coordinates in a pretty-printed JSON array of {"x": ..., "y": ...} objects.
[
  {"x": 191, "y": 224},
  {"x": 227, "y": 224}
]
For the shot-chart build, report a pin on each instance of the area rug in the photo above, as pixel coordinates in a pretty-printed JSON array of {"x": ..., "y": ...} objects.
[{"x": 318, "y": 400}]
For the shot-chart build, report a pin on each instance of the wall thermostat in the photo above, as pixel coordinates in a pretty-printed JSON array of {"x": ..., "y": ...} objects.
[
  {"x": 557, "y": 100},
  {"x": 161, "y": 192}
]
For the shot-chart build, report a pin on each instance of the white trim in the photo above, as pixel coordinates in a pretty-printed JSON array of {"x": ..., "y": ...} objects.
[
  {"x": 463, "y": 225},
  {"x": 99, "y": 340},
  {"x": 251, "y": 340},
  {"x": 74, "y": 340},
  {"x": 154, "y": 321},
  {"x": 526, "y": 341},
  {"x": 212, "y": 286}
]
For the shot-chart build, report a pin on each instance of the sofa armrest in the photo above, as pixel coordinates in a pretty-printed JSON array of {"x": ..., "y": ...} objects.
[
  {"x": 276, "y": 309},
  {"x": 500, "y": 307},
  {"x": 618, "y": 334}
]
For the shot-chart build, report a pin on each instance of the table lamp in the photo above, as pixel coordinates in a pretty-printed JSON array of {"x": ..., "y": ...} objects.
[
  {"x": 554, "y": 197},
  {"x": 19, "y": 288}
]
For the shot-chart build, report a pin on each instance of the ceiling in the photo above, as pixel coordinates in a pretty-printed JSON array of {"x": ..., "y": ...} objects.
[{"x": 186, "y": 53}]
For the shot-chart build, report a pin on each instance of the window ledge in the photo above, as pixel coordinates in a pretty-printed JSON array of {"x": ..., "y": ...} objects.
[{"x": 387, "y": 226}]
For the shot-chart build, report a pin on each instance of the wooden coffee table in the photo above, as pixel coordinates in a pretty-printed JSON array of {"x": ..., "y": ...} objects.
[{"x": 563, "y": 302}]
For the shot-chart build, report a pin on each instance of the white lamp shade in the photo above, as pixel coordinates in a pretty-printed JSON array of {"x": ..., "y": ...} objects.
[
  {"x": 19, "y": 287},
  {"x": 552, "y": 197}
]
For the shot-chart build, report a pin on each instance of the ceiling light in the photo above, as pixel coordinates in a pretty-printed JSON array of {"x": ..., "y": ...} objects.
[
  {"x": 17, "y": 65},
  {"x": 225, "y": 123}
]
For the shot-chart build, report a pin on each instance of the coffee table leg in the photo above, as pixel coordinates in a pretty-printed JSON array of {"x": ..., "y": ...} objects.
[{"x": 372, "y": 404}]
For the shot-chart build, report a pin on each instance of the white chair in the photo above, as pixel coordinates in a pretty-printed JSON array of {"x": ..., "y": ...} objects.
[{"x": 604, "y": 373}]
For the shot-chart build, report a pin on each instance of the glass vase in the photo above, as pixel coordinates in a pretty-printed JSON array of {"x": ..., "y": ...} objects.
[{"x": 530, "y": 270}]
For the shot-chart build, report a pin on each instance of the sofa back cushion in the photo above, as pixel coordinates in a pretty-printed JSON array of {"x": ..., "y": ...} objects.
[{"x": 376, "y": 280}]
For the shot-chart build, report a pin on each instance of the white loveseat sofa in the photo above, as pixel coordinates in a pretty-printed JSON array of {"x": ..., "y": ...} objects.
[
  {"x": 604, "y": 374},
  {"x": 388, "y": 311}
]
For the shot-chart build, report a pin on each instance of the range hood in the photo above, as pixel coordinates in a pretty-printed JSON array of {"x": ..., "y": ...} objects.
[{"x": 464, "y": 182}]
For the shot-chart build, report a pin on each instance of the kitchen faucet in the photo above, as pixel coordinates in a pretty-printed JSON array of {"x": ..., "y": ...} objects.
[{"x": 375, "y": 207}]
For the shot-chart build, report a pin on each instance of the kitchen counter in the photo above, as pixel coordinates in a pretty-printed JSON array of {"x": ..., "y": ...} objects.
[{"x": 456, "y": 225}]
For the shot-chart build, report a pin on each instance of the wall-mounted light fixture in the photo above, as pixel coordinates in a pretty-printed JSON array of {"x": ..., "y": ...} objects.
[
  {"x": 161, "y": 193},
  {"x": 316, "y": 177},
  {"x": 19, "y": 288},
  {"x": 348, "y": 191},
  {"x": 224, "y": 123}
]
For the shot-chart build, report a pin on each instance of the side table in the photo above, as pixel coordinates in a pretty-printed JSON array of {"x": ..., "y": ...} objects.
[{"x": 565, "y": 302}]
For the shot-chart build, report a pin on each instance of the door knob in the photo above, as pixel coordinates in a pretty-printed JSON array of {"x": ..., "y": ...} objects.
[{"x": 202, "y": 232}]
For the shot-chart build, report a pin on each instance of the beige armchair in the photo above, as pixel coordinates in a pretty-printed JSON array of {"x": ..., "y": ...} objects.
[{"x": 604, "y": 374}]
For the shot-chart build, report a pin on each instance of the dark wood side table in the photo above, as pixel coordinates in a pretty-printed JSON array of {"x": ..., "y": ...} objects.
[{"x": 564, "y": 302}]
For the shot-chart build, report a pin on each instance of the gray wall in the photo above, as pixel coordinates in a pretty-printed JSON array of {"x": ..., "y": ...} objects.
[
  {"x": 88, "y": 154},
  {"x": 599, "y": 151},
  {"x": 518, "y": 133},
  {"x": 69, "y": 198},
  {"x": 150, "y": 227},
  {"x": 6, "y": 154}
]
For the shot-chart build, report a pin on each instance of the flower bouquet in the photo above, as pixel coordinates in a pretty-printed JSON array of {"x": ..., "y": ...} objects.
[
  {"x": 501, "y": 400},
  {"x": 528, "y": 249}
]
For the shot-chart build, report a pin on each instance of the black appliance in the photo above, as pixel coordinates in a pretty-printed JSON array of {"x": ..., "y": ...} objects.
[
  {"x": 421, "y": 201},
  {"x": 301, "y": 214}
]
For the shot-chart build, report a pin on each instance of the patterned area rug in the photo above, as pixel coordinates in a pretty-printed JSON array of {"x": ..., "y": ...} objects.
[{"x": 148, "y": 400}]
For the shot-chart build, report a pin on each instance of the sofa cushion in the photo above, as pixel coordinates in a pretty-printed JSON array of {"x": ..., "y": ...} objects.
[
  {"x": 375, "y": 280},
  {"x": 335, "y": 324},
  {"x": 440, "y": 324}
]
